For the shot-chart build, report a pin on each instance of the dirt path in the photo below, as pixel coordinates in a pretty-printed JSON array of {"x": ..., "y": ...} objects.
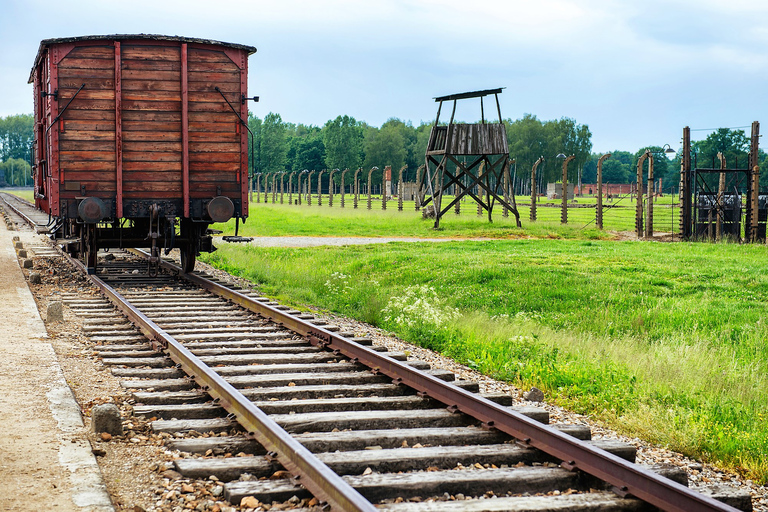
[{"x": 45, "y": 458}]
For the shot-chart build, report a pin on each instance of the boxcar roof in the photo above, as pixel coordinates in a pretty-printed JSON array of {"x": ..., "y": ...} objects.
[{"x": 120, "y": 37}]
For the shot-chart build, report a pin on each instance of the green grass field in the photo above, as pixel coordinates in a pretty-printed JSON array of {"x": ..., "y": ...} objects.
[
  {"x": 27, "y": 194},
  {"x": 662, "y": 341},
  {"x": 300, "y": 220}
]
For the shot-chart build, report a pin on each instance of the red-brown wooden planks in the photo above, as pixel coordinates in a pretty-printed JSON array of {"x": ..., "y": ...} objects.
[
  {"x": 154, "y": 156},
  {"x": 148, "y": 117},
  {"x": 151, "y": 85},
  {"x": 151, "y": 65},
  {"x": 94, "y": 156},
  {"x": 87, "y": 165},
  {"x": 200, "y": 55},
  {"x": 95, "y": 136},
  {"x": 87, "y": 124},
  {"x": 87, "y": 145},
  {"x": 151, "y": 52},
  {"x": 150, "y": 126},
  {"x": 159, "y": 166}
]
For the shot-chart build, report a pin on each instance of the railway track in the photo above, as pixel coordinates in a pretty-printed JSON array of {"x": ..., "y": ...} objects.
[{"x": 321, "y": 417}]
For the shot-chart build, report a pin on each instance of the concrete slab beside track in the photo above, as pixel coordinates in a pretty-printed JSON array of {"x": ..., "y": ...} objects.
[{"x": 46, "y": 462}]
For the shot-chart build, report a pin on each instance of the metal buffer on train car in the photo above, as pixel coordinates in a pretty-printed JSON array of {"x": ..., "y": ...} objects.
[{"x": 455, "y": 154}]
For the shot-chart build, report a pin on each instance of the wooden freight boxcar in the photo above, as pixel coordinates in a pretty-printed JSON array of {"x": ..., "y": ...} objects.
[{"x": 140, "y": 140}]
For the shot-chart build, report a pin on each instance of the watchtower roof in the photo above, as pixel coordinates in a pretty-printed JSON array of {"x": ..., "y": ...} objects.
[{"x": 467, "y": 95}]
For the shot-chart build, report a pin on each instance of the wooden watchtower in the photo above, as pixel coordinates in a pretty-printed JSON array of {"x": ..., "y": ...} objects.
[{"x": 474, "y": 158}]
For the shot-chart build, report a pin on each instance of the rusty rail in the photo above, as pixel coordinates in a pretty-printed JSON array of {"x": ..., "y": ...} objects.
[
  {"x": 627, "y": 478},
  {"x": 38, "y": 228},
  {"x": 315, "y": 476}
]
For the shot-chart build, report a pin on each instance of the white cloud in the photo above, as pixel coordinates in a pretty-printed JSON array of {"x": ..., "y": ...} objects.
[{"x": 635, "y": 71}]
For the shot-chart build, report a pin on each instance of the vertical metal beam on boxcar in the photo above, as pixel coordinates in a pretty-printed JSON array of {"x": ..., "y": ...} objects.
[
  {"x": 119, "y": 129},
  {"x": 53, "y": 165},
  {"x": 184, "y": 130},
  {"x": 240, "y": 58},
  {"x": 243, "y": 135},
  {"x": 56, "y": 55}
]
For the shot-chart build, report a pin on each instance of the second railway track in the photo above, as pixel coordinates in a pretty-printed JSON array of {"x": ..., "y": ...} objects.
[{"x": 315, "y": 418}]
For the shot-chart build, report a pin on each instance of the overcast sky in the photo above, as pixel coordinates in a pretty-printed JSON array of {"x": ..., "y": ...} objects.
[{"x": 636, "y": 72}]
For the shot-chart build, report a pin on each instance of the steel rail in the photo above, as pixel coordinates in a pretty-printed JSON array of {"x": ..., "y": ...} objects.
[
  {"x": 627, "y": 478},
  {"x": 310, "y": 472},
  {"x": 21, "y": 214}
]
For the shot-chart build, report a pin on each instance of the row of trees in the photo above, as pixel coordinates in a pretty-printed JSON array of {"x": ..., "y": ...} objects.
[
  {"x": 16, "y": 133},
  {"x": 734, "y": 144},
  {"x": 346, "y": 143}
]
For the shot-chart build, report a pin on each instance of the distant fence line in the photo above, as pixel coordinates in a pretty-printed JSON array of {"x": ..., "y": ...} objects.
[{"x": 304, "y": 187}]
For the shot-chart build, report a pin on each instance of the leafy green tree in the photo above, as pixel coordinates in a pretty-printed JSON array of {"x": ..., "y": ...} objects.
[
  {"x": 417, "y": 151},
  {"x": 527, "y": 141},
  {"x": 385, "y": 146},
  {"x": 615, "y": 171},
  {"x": 306, "y": 149},
  {"x": 273, "y": 145},
  {"x": 16, "y": 172},
  {"x": 343, "y": 140},
  {"x": 16, "y": 135},
  {"x": 529, "y": 138},
  {"x": 734, "y": 144},
  {"x": 254, "y": 151}
]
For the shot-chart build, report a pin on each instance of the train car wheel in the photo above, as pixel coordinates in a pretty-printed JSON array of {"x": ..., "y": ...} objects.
[
  {"x": 187, "y": 258},
  {"x": 188, "y": 248},
  {"x": 89, "y": 249}
]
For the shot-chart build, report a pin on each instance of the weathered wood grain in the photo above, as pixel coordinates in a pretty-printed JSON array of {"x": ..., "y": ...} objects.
[
  {"x": 140, "y": 116},
  {"x": 215, "y": 147},
  {"x": 151, "y": 146},
  {"x": 150, "y": 52},
  {"x": 222, "y": 167},
  {"x": 219, "y": 156},
  {"x": 88, "y": 124},
  {"x": 200, "y": 55},
  {"x": 70, "y": 62},
  {"x": 207, "y": 176},
  {"x": 154, "y": 95},
  {"x": 154, "y": 156},
  {"x": 159, "y": 175},
  {"x": 168, "y": 106},
  {"x": 87, "y": 165},
  {"x": 78, "y": 156},
  {"x": 156, "y": 65},
  {"x": 215, "y": 97},
  {"x": 201, "y": 76},
  {"x": 80, "y": 145},
  {"x": 88, "y": 135},
  {"x": 94, "y": 52},
  {"x": 211, "y": 127},
  {"x": 151, "y": 126}
]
